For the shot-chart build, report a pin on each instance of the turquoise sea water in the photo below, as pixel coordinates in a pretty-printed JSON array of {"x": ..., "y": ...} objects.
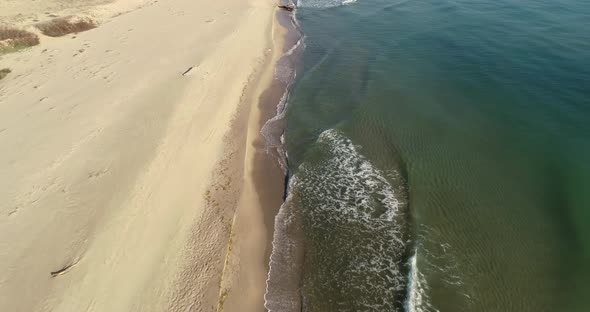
[{"x": 439, "y": 155}]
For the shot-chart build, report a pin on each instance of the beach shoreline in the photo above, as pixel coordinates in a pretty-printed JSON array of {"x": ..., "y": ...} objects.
[
  {"x": 248, "y": 256},
  {"x": 143, "y": 183}
]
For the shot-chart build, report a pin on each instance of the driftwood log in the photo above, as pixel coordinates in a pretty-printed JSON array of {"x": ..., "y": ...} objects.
[{"x": 287, "y": 8}]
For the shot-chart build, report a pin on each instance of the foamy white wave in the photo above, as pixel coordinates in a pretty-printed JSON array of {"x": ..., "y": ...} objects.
[
  {"x": 285, "y": 67},
  {"x": 361, "y": 180},
  {"x": 417, "y": 297},
  {"x": 323, "y": 3},
  {"x": 282, "y": 285},
  {"x": 272, "y": 132},
  {"x": 432, "y": 258},
  {"x": 345, "y": 192},
  {"x": 294, "y": 47}
]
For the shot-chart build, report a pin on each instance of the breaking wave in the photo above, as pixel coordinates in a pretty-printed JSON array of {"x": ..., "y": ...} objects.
[
  {"x": 286, "y": 260},
  {"x": 323, "y": 3},
  {"x": 417, "y": 297},
  {"x": 354, "y": 224},
  {"x": 351, "y": 220}
]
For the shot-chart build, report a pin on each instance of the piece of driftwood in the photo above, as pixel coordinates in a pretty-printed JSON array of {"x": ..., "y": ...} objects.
[
  {"x": 188, "y": 70},
  {"x": 287, "y": 8},
  {"x": 64, "y": 269}
]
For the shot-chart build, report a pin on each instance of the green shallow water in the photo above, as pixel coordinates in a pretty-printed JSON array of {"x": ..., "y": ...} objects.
[{"x": 475, "y": 117}]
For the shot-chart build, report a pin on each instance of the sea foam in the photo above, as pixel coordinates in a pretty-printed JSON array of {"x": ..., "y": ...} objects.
[
  {"x": 349, "y": 218},
  {"x": 323, "y": 3}
]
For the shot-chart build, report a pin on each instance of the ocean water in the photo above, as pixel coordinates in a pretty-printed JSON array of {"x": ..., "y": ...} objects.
[{"x": 439, "y": 158}]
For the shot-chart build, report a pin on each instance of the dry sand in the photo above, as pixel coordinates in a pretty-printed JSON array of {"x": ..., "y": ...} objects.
[
  {"x": 120, "y": 178},
  {"x": 27, "y": 12}
]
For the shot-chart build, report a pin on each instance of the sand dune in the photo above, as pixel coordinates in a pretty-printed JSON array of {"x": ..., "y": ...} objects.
[{"x": 108, "y": 155}]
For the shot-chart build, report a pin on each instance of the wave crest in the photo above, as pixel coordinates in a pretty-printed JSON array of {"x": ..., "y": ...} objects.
[{"x": 323, "y": 3}]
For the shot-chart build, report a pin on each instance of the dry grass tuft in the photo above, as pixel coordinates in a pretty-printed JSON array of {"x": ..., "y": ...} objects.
[
  {"x": 66, "y": 25},
  {"x": 13, "y": 39},
  {"x": 4, "y": 72}
]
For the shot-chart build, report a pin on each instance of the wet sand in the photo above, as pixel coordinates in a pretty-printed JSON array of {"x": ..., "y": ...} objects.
[{"x": 261, "y": 198}]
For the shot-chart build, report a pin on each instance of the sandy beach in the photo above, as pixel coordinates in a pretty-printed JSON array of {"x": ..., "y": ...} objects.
[{"x": 132, "y": 172}]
